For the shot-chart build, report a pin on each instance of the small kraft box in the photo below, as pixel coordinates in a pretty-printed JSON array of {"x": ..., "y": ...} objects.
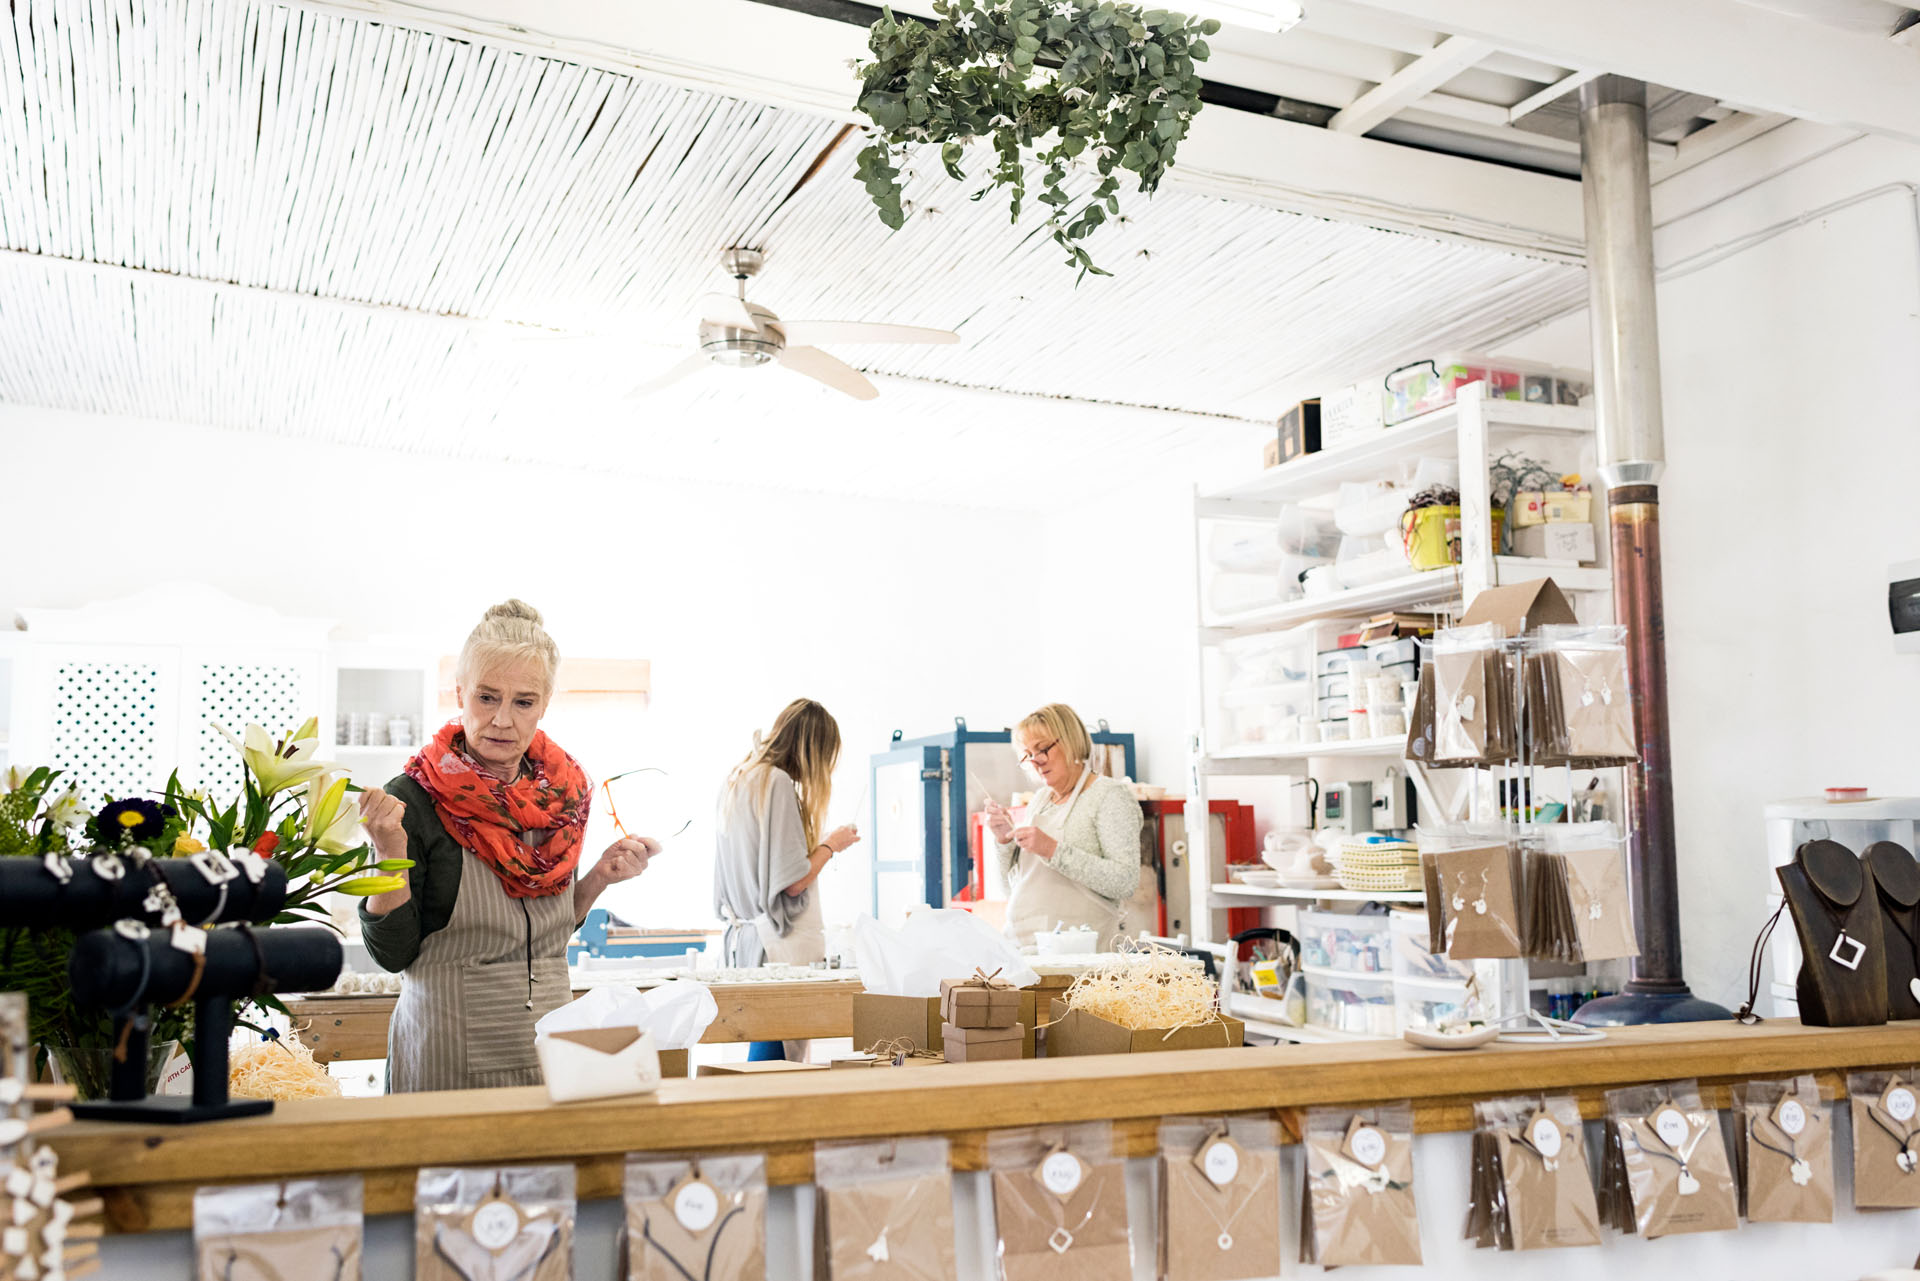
[
  {"x": 1555, "y": 542},
  {"x": 1299, "y": 434},
  {"x": 914, "y": 1020},
  {"x": 979, "y": 1002},
  {"x": 762, "y": 1067},
  {"x": 1078, "y": 1032},
  {"x": 979, "y": 1044}
]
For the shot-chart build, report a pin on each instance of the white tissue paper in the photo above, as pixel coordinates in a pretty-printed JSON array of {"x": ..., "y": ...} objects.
[
  {"x": 608, "y": 1042},
  {"x": 937, "y": 943}
]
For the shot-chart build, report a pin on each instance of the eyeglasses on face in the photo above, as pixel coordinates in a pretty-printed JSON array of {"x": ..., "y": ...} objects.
[{"x": 1039, "y": 754}]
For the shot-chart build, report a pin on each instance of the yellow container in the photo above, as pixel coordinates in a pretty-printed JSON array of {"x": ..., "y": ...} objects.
[{"x": 1432, "y": 535}]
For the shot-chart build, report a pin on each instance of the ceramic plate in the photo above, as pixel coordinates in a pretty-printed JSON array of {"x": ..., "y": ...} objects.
[{"x": 1440, "y": 1041}]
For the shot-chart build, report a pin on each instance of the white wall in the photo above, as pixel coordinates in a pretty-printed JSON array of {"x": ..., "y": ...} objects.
[{"x": 742, "y": 599}]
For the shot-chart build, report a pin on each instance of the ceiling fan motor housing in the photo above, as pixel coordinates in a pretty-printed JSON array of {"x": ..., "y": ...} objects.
[{"x": 739, "y": 348}]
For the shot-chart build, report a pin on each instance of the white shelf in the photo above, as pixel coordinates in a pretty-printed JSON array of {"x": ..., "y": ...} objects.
[
  {"x": 1433, "y": 588},
  {"x": 1430, "y": 435},
  {"x": 1312, "y": 896},
  {"x": 1343, "y": 976},
  {"x": 1391, "y": 745}
]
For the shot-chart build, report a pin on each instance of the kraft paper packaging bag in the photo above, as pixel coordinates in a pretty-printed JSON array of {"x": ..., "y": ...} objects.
[
  {"x": 1783, "y": 1145},
  {"x": 1580, "y": 708},
  {"x": 303, "y": 1227},
  {"x": 1668, "y": 1167},
  {"x": 512, "y": 1221},
  {"x": 1886, "y": 1139},
  {"x": 1473, "y": 892},
  {"x": 1537, "y": 1181},
  {"x": 1060, "y": 1203},
  {"x": 1578, "y": 905},
  {"x": 1358, "y": 1203},
  {"x": 1219, "y": 1199},
  {"x": 886, "y": 1211},
  {"x": 701, "y": 1217}
]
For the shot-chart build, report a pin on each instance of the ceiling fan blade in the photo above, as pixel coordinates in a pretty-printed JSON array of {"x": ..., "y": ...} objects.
[
  {"x": 725, "y": 309},
  {"x": 815, "y": 332},
  {"x": 821, "y": 367},
  {"x": 692, "y": 364}
]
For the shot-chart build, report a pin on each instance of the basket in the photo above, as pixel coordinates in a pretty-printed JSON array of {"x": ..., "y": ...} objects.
[{"x": 1431, "y": 535}]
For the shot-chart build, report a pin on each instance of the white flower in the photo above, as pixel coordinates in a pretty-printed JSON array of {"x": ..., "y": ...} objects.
[
  {"x": 1074, "y": 94},
  {"x": 333, "y": 821},
  {"x": 278, "y": 766},
  {"x": 965, "y": 22},
  {"x": 1000, "y": 121},
  {"x": 1064, "y": 9},
  {"x": 1122, "y": 102},
  {"x": 67, "y": 811},
  {"x": 16, "y": 778}
]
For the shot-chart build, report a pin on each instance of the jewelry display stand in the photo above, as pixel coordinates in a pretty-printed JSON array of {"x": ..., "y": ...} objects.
[
  {"x": 1836, "y": 913},
  {"x": 1897, "y": 877}
]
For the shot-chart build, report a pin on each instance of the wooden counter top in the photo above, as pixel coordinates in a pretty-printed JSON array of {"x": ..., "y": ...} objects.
[{"x": 148, "y": 1173}]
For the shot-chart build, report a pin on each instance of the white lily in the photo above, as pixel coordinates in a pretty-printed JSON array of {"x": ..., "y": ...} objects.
[
  {"x": 67, "y": 812},
  {"x": 16, "y": 778},
  {"x": 278, "y": 766},
  {"x": 333, "y": 822}
]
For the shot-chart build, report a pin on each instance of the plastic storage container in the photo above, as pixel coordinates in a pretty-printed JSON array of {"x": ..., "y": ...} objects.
[
  {"x": 1423, "y": 1004},
  {"x": 1426, "y": 385},
  {"x": 1342, "y": 941},
  {"x": 1356, "y": 1004},
  {"x": 1369, "y": 508},
  {"x": 1411, "y": 960}
]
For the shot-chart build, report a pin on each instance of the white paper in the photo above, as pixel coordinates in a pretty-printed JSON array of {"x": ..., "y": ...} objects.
[
  {"x": 677, "y": 1012},
  {"x": 935, "y": 944}
]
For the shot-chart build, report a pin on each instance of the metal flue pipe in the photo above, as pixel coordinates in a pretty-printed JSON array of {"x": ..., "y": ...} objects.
[{"x": 1632, "y": 444}]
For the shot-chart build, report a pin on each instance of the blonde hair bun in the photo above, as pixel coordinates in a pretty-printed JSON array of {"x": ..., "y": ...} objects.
[
  {"x": 514, "y": 607},
  {"x": 509, "y": 632}
]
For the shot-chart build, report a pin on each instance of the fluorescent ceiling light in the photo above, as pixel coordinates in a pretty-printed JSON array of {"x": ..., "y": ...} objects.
[{"x": 1261, "y": 15}]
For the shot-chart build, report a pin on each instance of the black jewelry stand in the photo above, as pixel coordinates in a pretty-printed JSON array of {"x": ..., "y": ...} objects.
[
  {"x": 1897, "y": 877},
  {"x": 1832, "y": 893},
  {"x": 32, "y": 896},
  {"x": 107, "y": 970}
]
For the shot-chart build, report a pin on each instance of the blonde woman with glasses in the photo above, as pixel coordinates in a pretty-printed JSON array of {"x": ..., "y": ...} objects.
[{"x": 1077, "y": 859}]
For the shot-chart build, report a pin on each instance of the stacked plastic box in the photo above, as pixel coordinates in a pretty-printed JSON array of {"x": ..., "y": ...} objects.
[{"x": 1349, "y": 967}]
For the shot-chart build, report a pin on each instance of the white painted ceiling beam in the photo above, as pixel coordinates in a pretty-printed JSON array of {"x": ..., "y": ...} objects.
[
  {"x": 1533, "y": 102},
  {"x": 766, "y": 54},
  {"x": 1409, "y": 84},
  {"x": 1738, "y": 52}
]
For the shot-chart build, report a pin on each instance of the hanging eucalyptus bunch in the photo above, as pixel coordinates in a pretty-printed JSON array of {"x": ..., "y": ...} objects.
[{"x": 1076, "y": 84}]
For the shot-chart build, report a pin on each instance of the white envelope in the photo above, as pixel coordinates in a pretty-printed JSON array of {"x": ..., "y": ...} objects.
[{"x": 598, "y": 1063}]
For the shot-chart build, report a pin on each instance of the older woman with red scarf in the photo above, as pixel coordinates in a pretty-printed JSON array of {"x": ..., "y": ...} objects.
[{"x": 492, "y": 812}]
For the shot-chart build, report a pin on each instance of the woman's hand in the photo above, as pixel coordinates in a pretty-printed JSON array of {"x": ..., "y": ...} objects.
[
  {"x": 625, "y": 859},
  {"x": 382, "y": 814},
  {"x": 841, "y": 839},
  {"x": 1035, "y": 842},
  {"x": 999, "y": 821}
]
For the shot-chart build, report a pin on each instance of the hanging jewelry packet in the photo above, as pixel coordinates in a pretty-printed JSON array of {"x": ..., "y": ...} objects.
[
  {"x": 1472, "y": 879},
  {"x": 1219, "y": 1198},
  {"x": 1579, "y": 705},
  {"x": 512, "y": 1223},
  {"x": 1579, "y": 908},
  {"x": 1358, "y": 1205},
  {"x": 1474, "y": 714},
  {"x": 696, "y": 1218},
  {"x": 1530, "y": 1187},
  {"x": 1666, "y": 1170},
  {"x": 279, "y": 1231},
  {"x": 885, "y": 1211},
  {"x": 1886, "y": 1139},
  {"x": 1783, "y": 1148},
  {"x": 1060, "y": 1203}
]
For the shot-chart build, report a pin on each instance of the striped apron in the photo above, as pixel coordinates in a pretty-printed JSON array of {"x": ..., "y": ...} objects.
[{"x": 465, "y": 1016}]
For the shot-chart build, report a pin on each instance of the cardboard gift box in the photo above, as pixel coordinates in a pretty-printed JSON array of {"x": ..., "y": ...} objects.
[
  {"x": 598, "y": 1063},
  {"x": 978, "y": 1044},
  {"x": 916, "y": 1021},
  {"x": 1298, "y": 436},
  {"x": 762, "y": 1067},
  {"x": 979, "y": 1003},
  {"x": 1078, "y": 1032},
  {"x": 1556, "y": 542}
]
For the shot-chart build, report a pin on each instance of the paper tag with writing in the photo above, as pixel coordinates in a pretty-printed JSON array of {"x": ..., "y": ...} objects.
[
  {"x": 1366, "y": 1144},
  {"x": 695, "y": 1204},
  {"x": 1544, "y": 1133},
  {"x": 1790, "y": 1116},
  {"x": 1061, "y": 1173},
  {"x": 495, "y": 1225},
  {"x": 1898, "y": 1101},
  {"x": 1219, "y": 1160},
  {"x": 1670, "y": 1123}
]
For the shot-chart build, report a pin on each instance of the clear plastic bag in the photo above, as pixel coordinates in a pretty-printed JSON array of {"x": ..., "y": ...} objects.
[
  {"x": 696, "y": 1218},
  {"x": 1358, "y": 1205},
  {"x": 1219, "y": 1199},
  {"x": 1783, "y": 1149},
  {"x": 1579, "y": 701},
  {"x": 1666, "y": 1170},
  {"x": 1578, "y": 906},
  {"x": 1475, "y": 719},
  {"x": 1244, "y": 546},
  {"x": 1060, "y": 1203},
  {"x": 886, "y": 1211},
  {"x": 300, "y": 1228},
  {"x": 1531, "y": 1188},
  {"x": 1886, "y": 1139},
  {"x": 1473, "y": 885},
  {"x": 479, "y": 1224}
]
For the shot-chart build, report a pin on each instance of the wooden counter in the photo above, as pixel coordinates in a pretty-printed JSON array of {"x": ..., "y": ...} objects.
[
  {"x": 355, "y": 1027},
  {"x": 148, "y": 1173}
]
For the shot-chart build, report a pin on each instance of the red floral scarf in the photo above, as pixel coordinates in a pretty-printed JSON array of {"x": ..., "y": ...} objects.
[{"x": 493, "y": 819}]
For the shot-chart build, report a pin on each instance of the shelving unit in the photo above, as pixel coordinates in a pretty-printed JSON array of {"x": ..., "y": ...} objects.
[
  {"x": 1248, "y": 895},
  {"x": 378, "y": 680}
]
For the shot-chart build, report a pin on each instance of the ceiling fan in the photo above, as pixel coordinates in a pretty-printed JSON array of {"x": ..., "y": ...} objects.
[{"x": 741, "y": 334}]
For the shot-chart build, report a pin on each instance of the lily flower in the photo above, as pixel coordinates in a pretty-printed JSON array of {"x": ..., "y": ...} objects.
[
  {"x": 333, "y": 823},
  {"x": 16, "y": 778},
  {"x": 67, "y": 812},
  {"x": 278, "y": 766},
  {"x": 368, "y": 886}
]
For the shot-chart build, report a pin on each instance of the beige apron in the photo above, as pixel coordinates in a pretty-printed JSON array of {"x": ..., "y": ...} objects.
[
  {"x": 465, "y": 1016},
  {"x": 1042, "y": 898}
]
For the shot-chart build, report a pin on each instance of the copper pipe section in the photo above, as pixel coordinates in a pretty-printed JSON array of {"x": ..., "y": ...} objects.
[{"x": 1634, "y": 517}]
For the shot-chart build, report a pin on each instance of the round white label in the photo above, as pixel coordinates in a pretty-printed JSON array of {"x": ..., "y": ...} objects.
[
  {"x": 1545, "y": 1137},
  {"x": 1369, "y": 1146},
  {"x": 1791, "y": 1118},
  {"x": 1900, "y": 1103},
  {"x": 1221, "y": 1163},
  {"x": 1060, "y": 1173},
  {"x": 495, "y": 1225},
  {"x": 1671, "y": 1127},
  {"x": 696, "y": 1205}
]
